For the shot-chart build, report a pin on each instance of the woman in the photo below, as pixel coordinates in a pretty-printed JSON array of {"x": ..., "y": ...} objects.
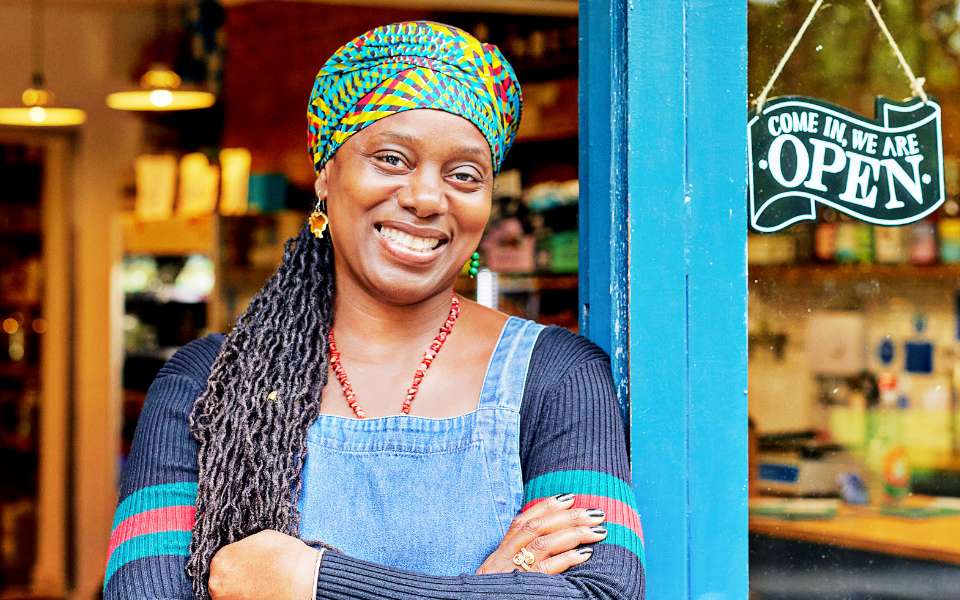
[{"x": 455, "y": 453}]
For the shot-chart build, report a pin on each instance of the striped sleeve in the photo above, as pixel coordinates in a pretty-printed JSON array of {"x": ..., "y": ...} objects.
[
  {"x": 595, "y": 490},
  {"x": 150, "y": 537},
  {"x": 573, "y": 441}
]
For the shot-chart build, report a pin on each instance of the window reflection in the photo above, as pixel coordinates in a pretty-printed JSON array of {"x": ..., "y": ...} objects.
[{"x": 854, "y": 332}]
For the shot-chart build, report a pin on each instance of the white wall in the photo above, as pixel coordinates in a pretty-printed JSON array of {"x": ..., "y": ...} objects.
[{"x": 782, "y": 390}]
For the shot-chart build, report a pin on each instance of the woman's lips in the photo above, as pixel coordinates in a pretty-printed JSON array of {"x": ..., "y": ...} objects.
[{"x": 408, "y": 249}]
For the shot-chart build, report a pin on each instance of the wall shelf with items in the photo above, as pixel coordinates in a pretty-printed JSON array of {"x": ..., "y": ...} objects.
[
  {"x": 549, "y": 298},
  {"x": 802, "y": 274},
  {"x": 35, "y": 359},
  {"x": 184, "y": 278}
]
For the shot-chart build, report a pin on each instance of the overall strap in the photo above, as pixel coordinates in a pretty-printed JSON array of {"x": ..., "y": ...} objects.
[{"x": 507, "y": 371}]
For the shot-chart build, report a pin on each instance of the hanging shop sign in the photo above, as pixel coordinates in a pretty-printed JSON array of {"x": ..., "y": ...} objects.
[{"x": 804, "y": 152}]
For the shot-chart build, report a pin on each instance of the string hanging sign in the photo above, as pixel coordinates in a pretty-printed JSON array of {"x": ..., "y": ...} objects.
[{"x": 804, "y": 151}]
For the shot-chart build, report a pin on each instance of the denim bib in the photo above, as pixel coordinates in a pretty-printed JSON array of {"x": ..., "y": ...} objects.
[{"x": 429, "y": 495}]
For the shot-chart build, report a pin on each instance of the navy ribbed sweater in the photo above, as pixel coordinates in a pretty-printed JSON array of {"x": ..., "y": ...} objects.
[{"x": 571, "y": 440}]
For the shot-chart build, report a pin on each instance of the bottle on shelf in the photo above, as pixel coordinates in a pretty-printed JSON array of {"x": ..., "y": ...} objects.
[
  {"x": 803, "y": 237},
  {"x": 948, "y": 227},
  {"x": 887, "y": 465},
  {"x": 889, "y": 245},
  {"x": 825, "y": 237},
  {"x": 854, "y": 244},
  {"x": 923, "y": 243}
]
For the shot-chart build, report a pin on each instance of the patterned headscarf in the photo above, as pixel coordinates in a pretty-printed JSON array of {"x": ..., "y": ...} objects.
[{"x": 416, "y": 64}]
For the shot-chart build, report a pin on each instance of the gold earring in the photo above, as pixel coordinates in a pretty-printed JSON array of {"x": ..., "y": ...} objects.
[{"x": 318, "y": 219}]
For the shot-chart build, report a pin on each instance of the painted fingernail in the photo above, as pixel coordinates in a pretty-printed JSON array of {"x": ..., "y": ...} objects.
[
  {"x": 595, "y": 512},
  {"x": 587, "y": 551},
  {"x": 598, "y": 529},
  {"x": 564, "y": 497}
]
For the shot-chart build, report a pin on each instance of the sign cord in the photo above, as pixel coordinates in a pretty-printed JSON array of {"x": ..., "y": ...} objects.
[
  {"x": 762, "y": 98},
  {"x": 916, "y": 83}
]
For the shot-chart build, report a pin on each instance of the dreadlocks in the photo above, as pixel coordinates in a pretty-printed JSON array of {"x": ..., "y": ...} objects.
[{"x": 262, "y": 394}]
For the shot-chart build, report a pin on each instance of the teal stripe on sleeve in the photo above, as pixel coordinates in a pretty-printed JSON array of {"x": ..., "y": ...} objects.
[
  {"x": 619, "y": 535},
  {"x": 578, "y": 482},
  {"x": 152, "y": 544},
  {"x": 156, "y": 496}
]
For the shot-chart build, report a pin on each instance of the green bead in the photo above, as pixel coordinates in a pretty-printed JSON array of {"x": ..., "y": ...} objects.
[
  {"x": 474, "y": 263},
  {"x": 473, "y": 271},
  {"x": 475, "y": 256}
]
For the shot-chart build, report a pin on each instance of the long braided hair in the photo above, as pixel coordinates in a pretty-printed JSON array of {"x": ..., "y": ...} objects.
[{"x": 262, "y": 394}]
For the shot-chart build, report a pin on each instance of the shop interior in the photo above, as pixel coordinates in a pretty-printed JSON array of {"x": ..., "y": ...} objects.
[
  {"x": 143, "y": 227},
  {"x": 854, "y": 338},
  {"x": 139, "y": 229}
]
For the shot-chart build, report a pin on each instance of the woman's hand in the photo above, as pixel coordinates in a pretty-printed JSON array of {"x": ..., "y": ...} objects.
[
  {"x": 268, "y": 565},
  {"x": 552, "y": 531}
]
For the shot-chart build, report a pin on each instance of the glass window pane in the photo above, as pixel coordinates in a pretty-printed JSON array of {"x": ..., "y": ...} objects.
[{"x": 854, "y": 333}]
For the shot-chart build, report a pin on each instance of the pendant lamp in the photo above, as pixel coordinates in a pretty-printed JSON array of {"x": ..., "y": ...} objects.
[
  {"x": 37, "y": 107},
  {"x": 161, "y": 88}
]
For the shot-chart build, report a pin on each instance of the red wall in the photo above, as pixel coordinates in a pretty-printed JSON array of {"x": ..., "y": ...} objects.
[{"x": 274, "y": 50}]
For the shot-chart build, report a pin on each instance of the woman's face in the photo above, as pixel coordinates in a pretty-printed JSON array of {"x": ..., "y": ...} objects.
[{"x": 408, "y": 198}]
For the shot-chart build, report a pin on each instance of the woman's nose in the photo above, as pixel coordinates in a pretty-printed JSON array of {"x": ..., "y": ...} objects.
[{"x": 424, "y": 195}]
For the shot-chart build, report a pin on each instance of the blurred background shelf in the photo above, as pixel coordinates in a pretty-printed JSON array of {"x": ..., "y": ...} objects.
[{"x": 818, "y": 273}]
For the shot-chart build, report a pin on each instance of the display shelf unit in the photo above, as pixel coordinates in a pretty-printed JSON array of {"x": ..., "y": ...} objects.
[
  {"x": 818, "y": 273},
  {"x": 35, "y": 360},
  {"x": 244, "y": 251},
  {"x": 221, "y": 239},
  {"x": 550, "y": 298}
]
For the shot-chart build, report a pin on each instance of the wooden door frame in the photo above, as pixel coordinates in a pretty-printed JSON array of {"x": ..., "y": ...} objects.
[{"x": 663, "y": 271}]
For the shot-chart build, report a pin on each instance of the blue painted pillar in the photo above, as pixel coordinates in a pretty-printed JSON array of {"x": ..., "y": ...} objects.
[{"x": 663, "y": 117}]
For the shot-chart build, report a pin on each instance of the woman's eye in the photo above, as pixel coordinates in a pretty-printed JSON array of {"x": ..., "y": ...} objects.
[
  {"x": 393, "y": 160},
  {"x": 465, "y": 177}
]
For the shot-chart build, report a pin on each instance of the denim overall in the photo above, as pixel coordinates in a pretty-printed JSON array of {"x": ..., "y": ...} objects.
[{"x": 429, "y": 495}]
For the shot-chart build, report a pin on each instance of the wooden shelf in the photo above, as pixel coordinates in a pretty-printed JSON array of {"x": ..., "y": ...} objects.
[
  {"x": 172, "y": 237},
  {"x": 933, "y": 538},
  {"x": 817, "y": 273},
  {"x": 18, "y": 370},
  {"x": 153, "y": 298}
]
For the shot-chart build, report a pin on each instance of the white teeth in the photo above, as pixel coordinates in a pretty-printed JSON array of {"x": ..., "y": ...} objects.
[{"x": 411, "y": 242}]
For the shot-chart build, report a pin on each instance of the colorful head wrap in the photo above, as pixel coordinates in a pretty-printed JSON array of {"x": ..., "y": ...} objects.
[{"x": 416, "y": 64}]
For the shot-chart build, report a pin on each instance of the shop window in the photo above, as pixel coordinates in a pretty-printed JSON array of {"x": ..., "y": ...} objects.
[{"x": 854, "y": 337}]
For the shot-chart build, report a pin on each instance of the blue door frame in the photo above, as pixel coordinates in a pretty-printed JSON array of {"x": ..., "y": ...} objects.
[{"x": 663, "y": 277}]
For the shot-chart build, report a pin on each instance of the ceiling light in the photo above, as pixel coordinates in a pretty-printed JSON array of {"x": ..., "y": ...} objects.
[
  {"x": 161, "y": 88},
  {"x": 37, "y": 107}
]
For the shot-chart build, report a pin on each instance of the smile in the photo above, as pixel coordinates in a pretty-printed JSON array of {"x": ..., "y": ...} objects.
[
  {"x": 408, "y": 241},
  {"x": 410, "y": 244}
]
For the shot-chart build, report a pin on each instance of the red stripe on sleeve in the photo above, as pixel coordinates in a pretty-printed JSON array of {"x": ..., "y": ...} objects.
[
  {"x": 616, "y": 511},
  {"x": 169, "y": 518}
]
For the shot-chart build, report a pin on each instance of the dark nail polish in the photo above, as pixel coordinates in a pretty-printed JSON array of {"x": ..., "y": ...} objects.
[
  {"x": 595, "y": 512},
  {"x": 564, "y": 497},
  {"x": 598, "y": 529},
  {"x": 585, "y": 551}
]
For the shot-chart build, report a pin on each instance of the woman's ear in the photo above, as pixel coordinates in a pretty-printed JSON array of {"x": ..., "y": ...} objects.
[{"x": 320, "y": 185}]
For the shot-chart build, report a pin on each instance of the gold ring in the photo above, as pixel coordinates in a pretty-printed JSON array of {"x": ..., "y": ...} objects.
[{"x": 524, "y": 559}]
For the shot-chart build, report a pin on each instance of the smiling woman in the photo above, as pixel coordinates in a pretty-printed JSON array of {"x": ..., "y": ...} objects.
[
  {"x": 408, "y": 200},
  {"x": 460, "y": 453}
]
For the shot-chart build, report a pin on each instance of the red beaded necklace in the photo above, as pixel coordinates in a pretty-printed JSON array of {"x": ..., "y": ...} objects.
[{"x": 418, "y": 375}]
